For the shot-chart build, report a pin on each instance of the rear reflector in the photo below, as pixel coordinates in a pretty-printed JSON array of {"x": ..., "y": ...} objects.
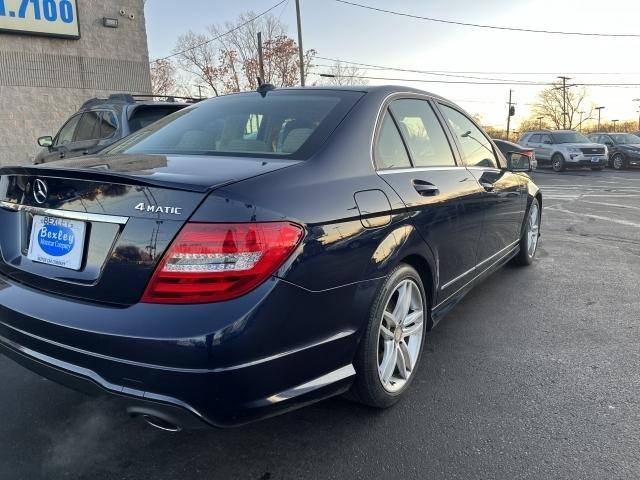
[{"x": 213, "y": 262}]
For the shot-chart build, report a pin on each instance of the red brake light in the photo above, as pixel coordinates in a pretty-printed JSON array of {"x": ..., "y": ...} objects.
[{"x": 212, "y": 262}]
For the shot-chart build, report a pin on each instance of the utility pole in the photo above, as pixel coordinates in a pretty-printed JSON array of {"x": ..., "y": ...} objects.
[
  {"x": 564, "y": 100},
  {"x": 540, "y": 123},
  {"x": 199, "y": 90},
  {"x": 637, "y": 100},
  {"x": 261, "y": 80},
  {"x": 300, "y": 50},
  {"x": 580, "y": 124},
  {"x": 599, "y": 111},
  {"x": 510, "y": 113}
]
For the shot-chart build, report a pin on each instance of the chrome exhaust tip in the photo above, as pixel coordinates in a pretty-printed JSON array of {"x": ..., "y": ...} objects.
[{"x": 161, "y": 424}]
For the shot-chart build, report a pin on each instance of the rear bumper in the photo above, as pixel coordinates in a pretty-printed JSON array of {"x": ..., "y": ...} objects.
[{"x": 221, "y": 377}]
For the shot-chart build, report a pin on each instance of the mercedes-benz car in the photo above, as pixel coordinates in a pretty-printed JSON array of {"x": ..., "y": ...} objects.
[{"x": 257, "y": 252}]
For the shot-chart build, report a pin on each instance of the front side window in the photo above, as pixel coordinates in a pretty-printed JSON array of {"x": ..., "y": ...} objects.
[
  {"x": 281, "y": 124},
  {"x": 546, "y": 139},
  {"x": 88, "y": 127},
  {"x": 477, "y": 150},
  {"x": 535, "y": 138},
  {"x": 65, "y": 135},
  {"x": 423, "y": 133},
  {"x": 570, "y": 137},
  {"x": 390, "y": 151}
]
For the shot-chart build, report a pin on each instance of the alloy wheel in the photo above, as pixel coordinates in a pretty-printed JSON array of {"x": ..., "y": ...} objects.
[
  {"x": 400, "y": 335},
  {"x": 533, "y": 229},
  {"x": 618, "y": 162}
]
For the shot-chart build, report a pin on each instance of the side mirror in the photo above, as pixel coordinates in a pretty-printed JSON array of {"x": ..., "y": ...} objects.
[
  {"x": 609, "y": 144},
  {"x": 45, "y": 141},
  {"x": 518, "y": 162}
]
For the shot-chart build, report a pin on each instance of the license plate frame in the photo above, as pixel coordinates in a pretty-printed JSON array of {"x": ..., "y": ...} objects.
[
  {"x": 595, "y": 159},
  {"x": 57, "y": 241}
]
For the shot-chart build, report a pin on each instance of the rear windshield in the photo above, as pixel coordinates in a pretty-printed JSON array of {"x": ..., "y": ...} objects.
[
  {"x": 570, "y": 137},
  {"x": 281, "y": 124}
]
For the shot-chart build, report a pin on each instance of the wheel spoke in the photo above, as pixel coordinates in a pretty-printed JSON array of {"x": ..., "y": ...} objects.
[
  {"x": 390, "y": 319},
  {"x": 404, "y": 302},
  {"x": 412, "y": 330},
  {"x": 404, "y": 360},
  {"x": 386, "y": 333},
  {"x": 389, "y": 362}
]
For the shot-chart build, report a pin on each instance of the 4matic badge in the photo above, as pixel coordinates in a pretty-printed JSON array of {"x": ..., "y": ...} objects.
[{"x": 143, "y": 207}]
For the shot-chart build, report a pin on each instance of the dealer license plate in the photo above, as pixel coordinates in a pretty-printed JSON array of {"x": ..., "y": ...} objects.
[{"x": 57, "y": 241}]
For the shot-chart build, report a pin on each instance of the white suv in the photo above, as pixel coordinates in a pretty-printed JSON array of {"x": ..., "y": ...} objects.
[{"x": 565, "y": 148}]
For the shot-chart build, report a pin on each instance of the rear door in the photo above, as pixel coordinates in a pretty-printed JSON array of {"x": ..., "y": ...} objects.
[
  {"x": 503, "y": 191},
  {"x": 413, "y": 154}
]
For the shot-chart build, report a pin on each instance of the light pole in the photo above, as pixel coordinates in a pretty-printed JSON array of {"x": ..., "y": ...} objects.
[
  {"x": 564, "y": 100},
  {"x": 300, "y": 50},
  {"x": 614, "y": 124},
  {"x": 599, "y": 111},
  {"x": 540, "y": 123},
  {"x": 637, "y": 100}
]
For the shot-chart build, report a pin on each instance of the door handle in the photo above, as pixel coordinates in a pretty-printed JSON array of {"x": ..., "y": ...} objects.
[
  {"x": 425, "y": 189},
  {"x": 489, "y": 187}
]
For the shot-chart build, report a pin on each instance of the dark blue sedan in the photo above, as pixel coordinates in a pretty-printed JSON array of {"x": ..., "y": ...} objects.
[{"x": 258, "y": 251}]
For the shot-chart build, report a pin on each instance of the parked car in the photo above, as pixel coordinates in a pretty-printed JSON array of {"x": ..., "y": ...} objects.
[
  {"x": 624, "y": 148},
  {"x": 101, "y": 122},
  {"x": 565, "y": 148},
  {"x": 514, "y": 153},
  {"x": 257, "y": 252}
]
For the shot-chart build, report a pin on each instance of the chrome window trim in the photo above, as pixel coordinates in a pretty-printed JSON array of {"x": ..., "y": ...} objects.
[
  {"x": 387, "y": 171},
  {"x": 68, "y": 214}
]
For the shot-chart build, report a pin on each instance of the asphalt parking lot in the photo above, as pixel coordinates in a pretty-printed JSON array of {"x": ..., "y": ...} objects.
[{"x": 534, "y": 375}]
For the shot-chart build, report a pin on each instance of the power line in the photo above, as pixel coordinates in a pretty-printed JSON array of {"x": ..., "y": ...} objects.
[
  {"x": 381, "y": 67},
  {"x": 222, "y": 34},
  {"x": 493, "y": 27},
  {"x": 465, "y": 82}
]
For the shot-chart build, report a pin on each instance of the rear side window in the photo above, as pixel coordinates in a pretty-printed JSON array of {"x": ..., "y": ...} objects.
[
  {"x": 281, "y": 124},
  {"x": 476, "y": 147},
  {"x": 423, "y": 133},
  {"x": 389, "y": 150},
  {"x": 144, "y": 116},
  {"x": 108, "y": 125}
]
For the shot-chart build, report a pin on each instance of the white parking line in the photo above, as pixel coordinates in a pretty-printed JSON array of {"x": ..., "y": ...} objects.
[{"x": 595, "y": 217}]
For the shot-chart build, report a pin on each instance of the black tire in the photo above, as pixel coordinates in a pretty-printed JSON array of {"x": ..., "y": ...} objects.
[
  {"x": 557, "y": 163},
  {"x": 523, "y": 257},
  {"x": 367, "y": 387},
  {"x": 617, "y": 161}
]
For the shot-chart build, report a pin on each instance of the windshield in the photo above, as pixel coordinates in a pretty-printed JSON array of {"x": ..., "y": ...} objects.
[
  {"x": 570, "y": 137},
  {"x": 625, "y": 139},
  {"x": 281, "y": 124}
]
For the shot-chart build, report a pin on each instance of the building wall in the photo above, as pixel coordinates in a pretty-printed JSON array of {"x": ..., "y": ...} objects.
[{"x": 43, "y": 80}]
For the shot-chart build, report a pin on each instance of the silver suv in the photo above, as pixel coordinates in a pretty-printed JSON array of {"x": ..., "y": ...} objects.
[{"x": 565, "y": 148}]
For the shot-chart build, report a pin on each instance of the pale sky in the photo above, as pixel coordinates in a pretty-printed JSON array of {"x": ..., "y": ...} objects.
[{"x": 341, "y": 31}]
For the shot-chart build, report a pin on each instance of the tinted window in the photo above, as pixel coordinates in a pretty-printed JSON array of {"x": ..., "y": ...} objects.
[
  {"x": 389, "y": 150},
  {"x": 423, "y": 133},
  {"x": 570, "y": 137},
  {"x": 282, "y": 124},
  {"x": 535, "y": 138},
  {"x": 109, "y": 124},
  {"x": 66, "y": 133},
  {"x": 476, "y": 148},
  {"x": 145, "y": 115},
  {"x": 88, "y": 127},
  {"x": 546, "y": 139}
]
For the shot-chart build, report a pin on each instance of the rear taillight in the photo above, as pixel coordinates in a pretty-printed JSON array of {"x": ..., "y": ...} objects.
[{"x": 212, "y": 262}]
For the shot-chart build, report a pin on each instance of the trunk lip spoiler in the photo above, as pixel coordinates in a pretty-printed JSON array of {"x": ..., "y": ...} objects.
[{"x": 67, "y": 214}]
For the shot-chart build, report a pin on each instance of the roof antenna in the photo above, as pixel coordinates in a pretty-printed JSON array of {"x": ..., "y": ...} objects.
[{"x": 264, "y": 88}]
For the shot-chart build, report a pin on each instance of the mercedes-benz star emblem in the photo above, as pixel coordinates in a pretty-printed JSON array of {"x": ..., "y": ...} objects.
[{"x": 40, "y": 191}]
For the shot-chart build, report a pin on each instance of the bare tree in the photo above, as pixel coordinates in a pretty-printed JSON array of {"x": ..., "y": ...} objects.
[
  {"x": 227, "y": 59},
  {"x": 345, "y": 74},
  {"x": 163, "y": 77},
  {"x": 550, "y": 105}
]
